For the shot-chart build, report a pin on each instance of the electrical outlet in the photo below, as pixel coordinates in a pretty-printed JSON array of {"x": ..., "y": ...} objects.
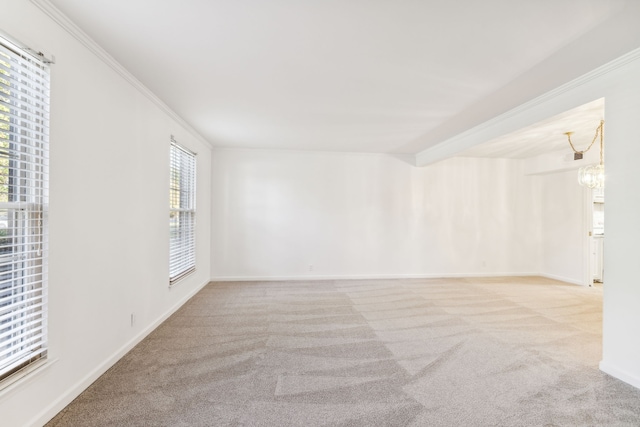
[
  {"x": 310, "y": 267},
  {"x": 133, "y": 319}
]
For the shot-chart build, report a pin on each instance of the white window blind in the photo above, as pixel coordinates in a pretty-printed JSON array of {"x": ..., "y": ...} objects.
[
  {"x": 24, "y": 123},
  {"x": 182, "y": 212}
]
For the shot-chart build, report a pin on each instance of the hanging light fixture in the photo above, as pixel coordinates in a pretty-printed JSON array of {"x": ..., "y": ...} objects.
[{"x": 591, "y": 176}]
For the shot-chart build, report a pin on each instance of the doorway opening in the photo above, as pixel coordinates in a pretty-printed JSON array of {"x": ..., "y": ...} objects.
[{"x": 596, "y": 237}]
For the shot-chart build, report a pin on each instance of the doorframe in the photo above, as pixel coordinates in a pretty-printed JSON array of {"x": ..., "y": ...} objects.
[{"x": 587, "y": 233}]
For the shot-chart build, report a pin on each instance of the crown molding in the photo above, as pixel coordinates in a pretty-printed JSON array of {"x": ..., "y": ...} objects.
[
  {"x": 63, "y": 21},
  {"x": 450, "y": 147}
]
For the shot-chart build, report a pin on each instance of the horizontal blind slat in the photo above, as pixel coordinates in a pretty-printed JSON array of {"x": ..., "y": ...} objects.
[
  {"x": 26, "y": 344},
  {"x": 22, "y": 357},
  {"x": 19, "y": 309},
  {"x": 30, "y": 324}
]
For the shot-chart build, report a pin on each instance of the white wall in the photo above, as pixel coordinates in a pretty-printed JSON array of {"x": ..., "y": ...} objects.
[
  {"x": 108, "y": 218},
  {"x": 563, "y": 216},
  {"x": 275, "y": 213},
  {"x": 363, "y": 215},
  {"x": 621, "y": 326}
]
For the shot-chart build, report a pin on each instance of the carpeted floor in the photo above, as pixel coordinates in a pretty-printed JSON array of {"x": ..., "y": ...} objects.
[{"x": 419, "y": 352}]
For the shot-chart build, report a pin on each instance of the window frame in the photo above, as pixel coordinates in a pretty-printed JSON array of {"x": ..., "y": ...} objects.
[
  {"x": 182, "y": 212},
  {"x": 24, "y": 198}
]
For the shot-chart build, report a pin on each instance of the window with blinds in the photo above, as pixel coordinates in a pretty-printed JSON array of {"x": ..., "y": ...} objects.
[
  {"x": 182, "y": 212},
  {"x": 24, "y": 122}
]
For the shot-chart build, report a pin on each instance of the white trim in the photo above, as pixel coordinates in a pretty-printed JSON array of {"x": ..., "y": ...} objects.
[
  {"x": 450, "y": 147},
  {"x": 587, "y": 236},
  {"x": 14, "y": 45},
  {"x": 24, "y": 375},
  {"x": 59, "y": 404},
  {"x": 407, "y": 158},
  {"x": 63, "y": 21},
  {"x": 368, "y": 277},
  {"x": 620, "y": 374},
  {"x": 571, "y": 280}
]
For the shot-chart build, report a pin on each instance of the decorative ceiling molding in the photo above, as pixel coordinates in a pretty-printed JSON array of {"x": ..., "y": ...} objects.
[
  {"x": 69, "y": 26},
  {"x": 459, "y": 143}
]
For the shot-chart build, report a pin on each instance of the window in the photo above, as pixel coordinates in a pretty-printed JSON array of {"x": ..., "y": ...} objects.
[
  {"x": 24, "y": 122},
  {"x": 182, "y": 212}
]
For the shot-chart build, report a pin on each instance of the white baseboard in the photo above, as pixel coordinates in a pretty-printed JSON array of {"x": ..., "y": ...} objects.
[
  {"x": 59, "y": 404},
  {"x": 620, "y": 374},
  {"x": 367, "y": 276},
  {"x": 562, "y": 279}
]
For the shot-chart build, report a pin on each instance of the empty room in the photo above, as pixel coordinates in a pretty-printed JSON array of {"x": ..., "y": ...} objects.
[{"x": 319, "y": 213}]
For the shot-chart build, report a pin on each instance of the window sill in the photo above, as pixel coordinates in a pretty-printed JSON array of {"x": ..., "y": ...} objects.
[
  {"x": 181, "y": 277},
  {"x": 25, "y": 375}
]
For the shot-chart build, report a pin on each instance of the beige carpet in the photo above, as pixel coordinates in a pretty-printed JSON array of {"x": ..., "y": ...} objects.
[{"x": 446, "y": 352}]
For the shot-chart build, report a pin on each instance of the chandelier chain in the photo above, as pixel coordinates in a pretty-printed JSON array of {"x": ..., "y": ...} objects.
[
  {"x": 591, "y": 176},
  {"x": 595, "y": 137},
  {"x": 601, "y": 143}
]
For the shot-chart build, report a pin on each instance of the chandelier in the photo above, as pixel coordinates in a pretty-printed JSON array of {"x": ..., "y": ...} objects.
[{"x": 591, "y": 176}]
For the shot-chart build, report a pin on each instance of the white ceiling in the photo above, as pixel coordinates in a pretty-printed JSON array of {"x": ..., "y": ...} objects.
[
  {"x": 546, "y": 136},
  {"x": 358, "y": 75}
]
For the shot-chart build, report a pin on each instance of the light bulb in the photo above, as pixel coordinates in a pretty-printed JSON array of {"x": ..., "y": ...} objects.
[{"x": 591, "y": 176}]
